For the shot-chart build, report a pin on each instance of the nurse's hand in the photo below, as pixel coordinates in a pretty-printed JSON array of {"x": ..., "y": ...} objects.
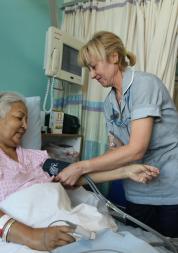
[
  {"x": 141, "y": 173},
  {"x": 70, "y": 175}
]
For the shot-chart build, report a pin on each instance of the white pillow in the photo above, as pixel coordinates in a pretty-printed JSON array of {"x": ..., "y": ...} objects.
[{"x": 32, "y": 137}]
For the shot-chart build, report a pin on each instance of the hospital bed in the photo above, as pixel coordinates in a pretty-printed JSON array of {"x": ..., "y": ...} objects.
[{"x": 78, "y": 206}]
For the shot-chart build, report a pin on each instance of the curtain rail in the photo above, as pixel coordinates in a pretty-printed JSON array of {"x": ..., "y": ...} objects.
[{"x": 75, "y": 2}]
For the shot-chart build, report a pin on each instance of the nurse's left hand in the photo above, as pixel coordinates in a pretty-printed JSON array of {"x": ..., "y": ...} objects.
[{"x": 70, "y": 175}]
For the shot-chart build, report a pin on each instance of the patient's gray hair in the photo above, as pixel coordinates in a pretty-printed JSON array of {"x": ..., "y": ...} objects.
[{"x": 6, "y": 101}]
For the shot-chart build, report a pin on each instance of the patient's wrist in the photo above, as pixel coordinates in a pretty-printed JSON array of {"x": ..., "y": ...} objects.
[
  {"x": 21, "y": 234},
  {"x": 6, "y": 229},
  {"x": 37, "y": 239},
  {"x": 124, "y": 172},
  {"x": 85, "y": 168}
]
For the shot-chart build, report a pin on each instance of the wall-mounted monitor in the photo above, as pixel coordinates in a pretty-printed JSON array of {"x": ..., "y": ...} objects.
[{"x": 61, "y": 53}]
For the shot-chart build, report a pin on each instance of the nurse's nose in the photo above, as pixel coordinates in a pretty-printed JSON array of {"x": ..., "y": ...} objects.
[{"x": 92, "y": 73}]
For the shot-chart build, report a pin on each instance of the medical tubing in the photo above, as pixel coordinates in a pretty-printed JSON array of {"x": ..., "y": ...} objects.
[
  {"x": 53, "y": 222},
  {"x": 93, "y": 185},
  {"x": 74, "y": 226},
  {"x": 110, "y": 205},
  {"x": 144, "y": 226}
]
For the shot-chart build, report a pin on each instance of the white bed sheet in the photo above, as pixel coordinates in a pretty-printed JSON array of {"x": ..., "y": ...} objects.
[{"x": 78, "y": 206}]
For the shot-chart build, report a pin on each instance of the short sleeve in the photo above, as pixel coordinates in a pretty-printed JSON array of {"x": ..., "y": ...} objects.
[{"x": 146, "y": 97}]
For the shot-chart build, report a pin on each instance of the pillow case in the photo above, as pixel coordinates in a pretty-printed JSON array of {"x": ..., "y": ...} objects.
[{"x": 32, "y": 137}]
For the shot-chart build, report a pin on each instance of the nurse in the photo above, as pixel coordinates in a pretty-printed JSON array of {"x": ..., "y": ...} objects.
[{"x": 142, "y": 123}]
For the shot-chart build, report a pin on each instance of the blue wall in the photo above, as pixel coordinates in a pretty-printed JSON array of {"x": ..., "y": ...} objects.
[{"x": 23, "y": 24}]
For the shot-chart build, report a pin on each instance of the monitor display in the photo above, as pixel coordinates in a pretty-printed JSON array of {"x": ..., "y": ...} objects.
[{"x": 69, "y": 60}]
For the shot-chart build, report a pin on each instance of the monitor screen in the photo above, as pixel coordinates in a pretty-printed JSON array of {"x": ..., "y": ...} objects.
[{"x": 69, "y": 60}]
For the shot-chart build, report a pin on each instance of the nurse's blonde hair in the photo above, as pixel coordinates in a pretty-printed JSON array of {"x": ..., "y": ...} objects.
[
  {"x": 102, "y": 45},
  {"x": 6, "y": 101}
]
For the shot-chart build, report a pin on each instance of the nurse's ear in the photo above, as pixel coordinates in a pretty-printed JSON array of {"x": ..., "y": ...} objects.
[{"x": 114, "y": 58}]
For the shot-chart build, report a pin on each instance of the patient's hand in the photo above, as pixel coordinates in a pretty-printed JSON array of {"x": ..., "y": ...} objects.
[
  {"x": 43, "y": 239},
  {"x": 141, "y": 173},
  {"x": 54, "y": 237}
]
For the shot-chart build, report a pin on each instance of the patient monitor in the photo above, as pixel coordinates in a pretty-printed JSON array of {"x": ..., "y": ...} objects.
[
  {"x": 61, "y": 61},
  {"x": 61, "y": 53}
]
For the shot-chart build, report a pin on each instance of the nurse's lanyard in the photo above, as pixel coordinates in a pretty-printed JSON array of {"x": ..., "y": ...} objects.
[{"x": 115, "y": 116}]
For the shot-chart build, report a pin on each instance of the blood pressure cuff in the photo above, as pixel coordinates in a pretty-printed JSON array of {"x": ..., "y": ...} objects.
[{"x": 53, "y": 166}]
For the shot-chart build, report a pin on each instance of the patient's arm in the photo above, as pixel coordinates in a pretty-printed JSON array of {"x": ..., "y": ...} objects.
[
  {"x": 39, "y": 238},
  {"x": 136, "y": 172}
]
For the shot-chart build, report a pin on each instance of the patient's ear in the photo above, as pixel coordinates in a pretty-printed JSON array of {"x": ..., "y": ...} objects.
[{"x": 32, "y": 137}]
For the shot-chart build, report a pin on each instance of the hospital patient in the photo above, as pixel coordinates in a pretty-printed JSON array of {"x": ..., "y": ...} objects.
[{"x": 21, "y": 168}]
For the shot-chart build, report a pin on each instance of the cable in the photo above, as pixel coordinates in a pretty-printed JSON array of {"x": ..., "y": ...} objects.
[
  {"x": 93, "y": 186},
  {"x": 78, "y": 233},
  {"x": 52, "y": 223},
  {"x": 50, "y": 85},
  {"x": 119, "y": 212}
]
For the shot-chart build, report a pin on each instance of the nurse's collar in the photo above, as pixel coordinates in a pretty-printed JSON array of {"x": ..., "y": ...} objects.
[{"x": 128, "y": 77}]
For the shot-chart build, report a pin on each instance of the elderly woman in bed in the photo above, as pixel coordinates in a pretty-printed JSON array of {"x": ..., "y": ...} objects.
[{"x": 21, "y": 168}]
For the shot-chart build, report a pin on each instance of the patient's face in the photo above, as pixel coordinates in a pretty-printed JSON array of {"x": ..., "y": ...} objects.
[{"x": 13, "y": 125}]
